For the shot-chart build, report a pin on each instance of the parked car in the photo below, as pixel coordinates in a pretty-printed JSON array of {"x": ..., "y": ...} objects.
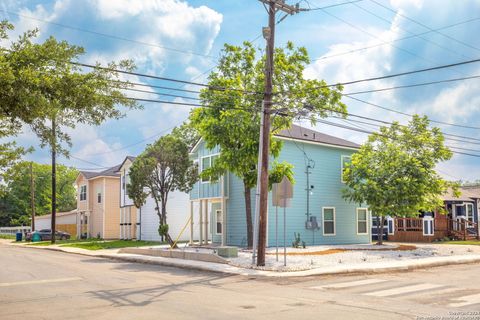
[{"x": 46, "y": 234}]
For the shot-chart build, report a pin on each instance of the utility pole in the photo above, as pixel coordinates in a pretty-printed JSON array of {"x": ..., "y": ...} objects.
[
  {"x": 32, "y": 196},
  {"x": 54, "y": 178},
  {"x": 264, "y": 144}
]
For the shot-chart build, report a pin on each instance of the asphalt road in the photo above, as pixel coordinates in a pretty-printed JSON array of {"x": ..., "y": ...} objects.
[{"x": 41, "y": 284}]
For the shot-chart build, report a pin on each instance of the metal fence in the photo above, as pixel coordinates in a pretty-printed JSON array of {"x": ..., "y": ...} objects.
[{"x": 14, "y": 230}]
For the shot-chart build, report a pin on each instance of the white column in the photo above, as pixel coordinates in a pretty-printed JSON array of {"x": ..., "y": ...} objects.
[
  {"x": 224, "y": 229},
  {"x": 191, "y": 222},
  {"x": 200, "y": 220},
  {"x": 206, "y": 221}
]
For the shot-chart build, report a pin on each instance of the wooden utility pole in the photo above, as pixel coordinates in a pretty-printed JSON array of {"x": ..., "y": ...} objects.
[
  {"x": 54, "y": 178},
  {"x": 32, "y": 196},
  {"x": 262, "y": 188}
]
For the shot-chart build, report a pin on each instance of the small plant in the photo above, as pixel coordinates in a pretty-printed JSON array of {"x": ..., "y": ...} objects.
[
  {"x": 98, "y": 236},
  {"x": 297, "y": 242}
]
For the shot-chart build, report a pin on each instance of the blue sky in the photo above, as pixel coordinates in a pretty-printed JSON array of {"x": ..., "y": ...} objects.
[{"x": 203, "y": 26}]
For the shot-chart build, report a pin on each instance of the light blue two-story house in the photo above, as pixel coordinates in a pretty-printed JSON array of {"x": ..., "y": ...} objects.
[{"x": 317, "y": 210}]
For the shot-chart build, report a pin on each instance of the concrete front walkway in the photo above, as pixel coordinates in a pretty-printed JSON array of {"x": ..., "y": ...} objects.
[{"x": 387, "y": 266}]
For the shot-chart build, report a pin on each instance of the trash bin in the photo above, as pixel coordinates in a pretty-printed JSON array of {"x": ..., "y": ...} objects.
[
  {"x": 19, "y": 236},
  {"x": 36, "y": 237}
]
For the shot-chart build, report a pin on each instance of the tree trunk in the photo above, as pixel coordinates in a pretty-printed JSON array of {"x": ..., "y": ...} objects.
[
  {"x": 380, "y": 222},
  {"x": 168, "y": 238},
  {"x": 248, "y": 213}
]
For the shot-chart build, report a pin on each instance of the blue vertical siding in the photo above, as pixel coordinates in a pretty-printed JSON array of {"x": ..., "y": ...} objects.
[
  {"x": 209, "y": 189},
  {"x": 327, "y": 192}
]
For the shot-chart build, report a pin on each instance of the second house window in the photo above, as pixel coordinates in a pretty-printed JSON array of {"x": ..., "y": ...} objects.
[
  {"x": 219, "y": 217},
  {"x": 329, "y": 221}
]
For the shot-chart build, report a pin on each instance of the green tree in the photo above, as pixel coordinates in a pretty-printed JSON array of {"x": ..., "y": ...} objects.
[
  {"x": 16, "y": 205},
  {"x": 230, "y": 118},
  {"x": 394, "y": 171},
  {"x": 42, "y": 85},
  {"x": 162, "y": 168},
  {"x": 187, "y": 133}
]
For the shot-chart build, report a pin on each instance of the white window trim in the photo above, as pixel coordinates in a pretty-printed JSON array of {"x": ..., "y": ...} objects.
[
  {"x": 429, "y": 219},
  {"x": 80, "y": 194},
  {"x": 216, "y": 221},
  {"x": 201, "y": 165},
  {"x": 334, "y": 222},
  {"x": 389, "y": 219},
  {"x": 473, "y": 212},
  {"x": 366, "y": 221},
  {"x": 341, "y": 165}
]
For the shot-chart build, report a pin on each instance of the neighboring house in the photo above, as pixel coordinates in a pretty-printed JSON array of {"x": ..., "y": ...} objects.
[
  {"x": 64, "y": 221},
  {"x": 219, "y": 207},
  {"x": 460, "y": 220},
  {"x": 142, "y": 223},
  {"x": 98, "y": 196}
]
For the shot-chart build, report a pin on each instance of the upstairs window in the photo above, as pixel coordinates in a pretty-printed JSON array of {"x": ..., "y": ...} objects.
[
  {"x": 83, "y": 193},
  {"x": 99, "y": 197},
  {"x": 346, "y": 160},
  {"x": 208, "y": 162}
]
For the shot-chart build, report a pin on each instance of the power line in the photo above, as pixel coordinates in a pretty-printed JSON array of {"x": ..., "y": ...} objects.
[
  {"x": 390, "y": 123},
  {"x": 110, "y": 35},
  {"x": 372, "y": 132},
  {"x": 225, "y": 107},
  {"x": 394, "y": 75},
  {"x": 162, "y": 94},
  {"x": 136, "y": 143},
  {"x": 162, "y": 78},
  {"x": 413, "y": 85},
  {"x": 373, "y": 35},
  {"x": 396, "y": 40},
  {"x": 409, "y": 32},
  {"x": 411, "y": 115},
  {"x": 425, "y": 26}
]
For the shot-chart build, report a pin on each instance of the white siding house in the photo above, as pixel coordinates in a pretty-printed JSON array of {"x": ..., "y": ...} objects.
[{"x": 142, "y": 223}]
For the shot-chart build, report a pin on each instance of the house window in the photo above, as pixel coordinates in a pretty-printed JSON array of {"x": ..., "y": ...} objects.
[
  {"x": 346, "y": 160},
  {"x": 362, "y": 221},
  {"x": 208, "y": 162},
  {"x": 391, "y": 226},
  {"x": 99, "y": 197},
  {"x": 328, "y": 221},
  {"x": 123, "y": 182},
  {"x": 428, "y": 226},
  {"x": 83, "y": 193},
  {"x": 219, "y": 220}
]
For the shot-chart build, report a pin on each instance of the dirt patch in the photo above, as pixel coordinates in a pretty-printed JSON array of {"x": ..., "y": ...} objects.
[{"x": 333, "y": 251}]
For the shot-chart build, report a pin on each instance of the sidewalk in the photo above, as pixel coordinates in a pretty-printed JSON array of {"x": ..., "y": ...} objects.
[{"x": 387, "y": 266}]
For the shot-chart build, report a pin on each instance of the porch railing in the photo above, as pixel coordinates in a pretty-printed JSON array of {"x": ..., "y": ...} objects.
[
  {"x": 409, "y": 224},
  {"x": 463, "y": 229}
]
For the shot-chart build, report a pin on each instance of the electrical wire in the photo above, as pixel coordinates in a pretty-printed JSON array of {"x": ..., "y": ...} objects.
[
  {"x": 395, "y": 40},
  {"x": 110, "y": 35}
]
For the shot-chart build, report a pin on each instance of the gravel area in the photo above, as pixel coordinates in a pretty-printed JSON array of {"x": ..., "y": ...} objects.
[{"x": 350, "y": 255}]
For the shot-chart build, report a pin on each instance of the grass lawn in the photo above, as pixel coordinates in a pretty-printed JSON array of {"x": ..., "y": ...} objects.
[
  {"x": 466, "y": 242},
  {"x": 115, "y": 244},
  {"x": 7, "y": 236}
]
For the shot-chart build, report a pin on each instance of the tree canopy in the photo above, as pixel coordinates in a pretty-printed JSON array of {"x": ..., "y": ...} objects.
[
  {"x": 230, "y": 116},
  {"x": 15, "y": 196},
  {"x": 394, "y": 171},
  {"x": 162, "y": 168}
]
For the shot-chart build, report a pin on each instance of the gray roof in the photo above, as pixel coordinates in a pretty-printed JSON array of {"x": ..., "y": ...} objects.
[
  {"x": 301, "y": 133},
  {"x": 110, "y": 172},
  {"x": 465, "y": 195}
]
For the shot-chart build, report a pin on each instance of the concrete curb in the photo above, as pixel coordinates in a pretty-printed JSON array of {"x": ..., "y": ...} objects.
[{"x": 393, "y": 266}]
